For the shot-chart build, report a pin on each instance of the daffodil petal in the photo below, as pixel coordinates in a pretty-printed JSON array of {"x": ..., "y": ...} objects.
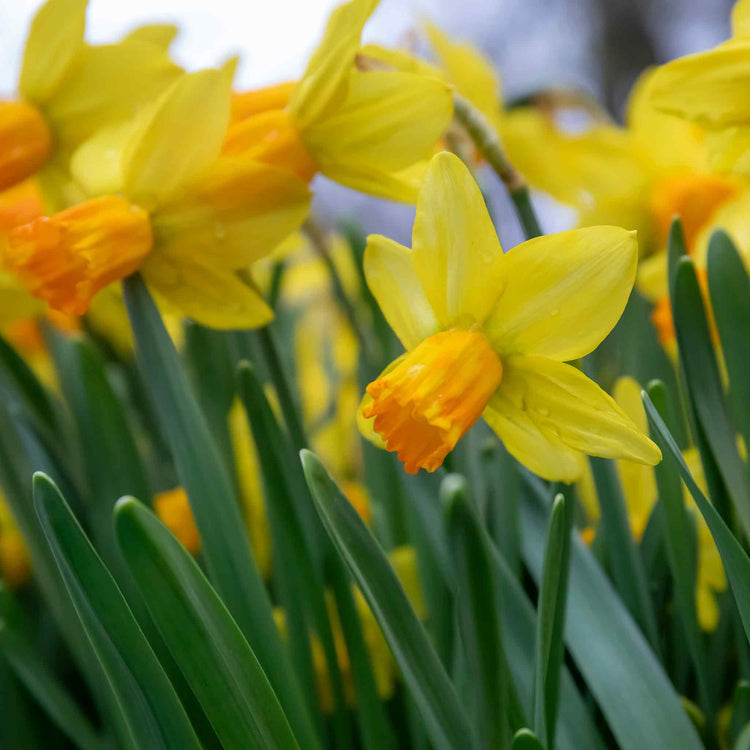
[
  {"x": 455, "y": 249},
  {"x": 470, "y": 72},
  {"x": 213, "y": 297},
  {"x": 729, "y": 149},
  {"x": 173, "y": 144},
  {"x": 238, "y": 211},
  {"x": 741, "y": 18},
  {"x": 159, "y": 34},
  {"x": 388, "y": 121},
  {"x": 541, "y": 453},
  {"x": 652, "y": 276},
  {"x": 96, "y": 165},
  {"x": 565, "y": 292},
  {"x": 394, "y": 284},
  {"x": 109, "y": 83},
  {"x": 709, "y": 88},
  {"x": 324, "y": 84},
  {"x": 55, "y": 38},
  {"x": 562, "y": 401}
]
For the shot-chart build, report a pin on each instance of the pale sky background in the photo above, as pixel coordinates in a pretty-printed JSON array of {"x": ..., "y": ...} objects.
[{"x": 599, "y": 45}]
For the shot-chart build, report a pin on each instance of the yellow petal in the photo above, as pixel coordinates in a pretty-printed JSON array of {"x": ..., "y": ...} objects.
[
  {"x": 389, "y": 121},
  {"x": 539, "y": 451},
  {"x": 741, "y": 18},
  {"x": 323, "y": 86},
  {"x": 96, "y": 165},
  {"x": 471, "y": 73},
  {"x": 210, "y": 296},
  {"x": 652, "y": 276},
  {"x": 108, "y": 84},
  {"x": 175, "y": 143},
  {"x": 237, "y": 211},
  {"x": 456, "y": 253},
  {"x": 402, "y": 186},
  {"x": 729, "y": 149},
  {"x": 564, "y": 293},
  {"x": 732, "y": 218},
  {"x": 160, "y": 34},
  {"x": 638, "y": 481},
  {"x": 561, "y": 400},
  {"x": 670, "y": 142},
  {"x": 55, "y": 38},
  {"x": 398, "y": 59},
  {"x": 394, "y": 284},
  {"x": 709, "y": 88}
]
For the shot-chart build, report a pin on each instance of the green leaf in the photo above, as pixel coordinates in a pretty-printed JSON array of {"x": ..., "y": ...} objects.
[
  {"x": 214, "y": 503},
  {"x": 478, "y": 615},
  {"x": 679, "y": 534},
  {"x": 295, "y": 565},
  {"x": 705, "y": 388},
  {"x": 205, "y": 641},
  {"x": 550, "y": 647},
  {"x": 729, "y": 287},
  {"x": 627, "y": 565},
  {"x": 525, "y": 739},
  {"x": 41, "y": 682},
  {"x": 736, "y": 561},
  {"x": 630, "y": 686},
  {"x": 446, "y": 723},
  {"x": 153, "y": 713}
]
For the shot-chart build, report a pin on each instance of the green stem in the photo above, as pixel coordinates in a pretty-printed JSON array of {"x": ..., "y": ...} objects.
[
  {"x": 289, "y": 406},
  {"x": 487, "y": 141}
]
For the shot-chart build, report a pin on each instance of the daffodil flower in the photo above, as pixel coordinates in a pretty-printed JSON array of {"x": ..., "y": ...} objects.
[
  {"x": 640, "y": 493},
  {"x": 68, "y": 90},
  {"x": 710, "y": 88},
  {"x": 488, "y": 335},
  {"x": 363, "y": 129},
  {"x": 180, "y": 213}
]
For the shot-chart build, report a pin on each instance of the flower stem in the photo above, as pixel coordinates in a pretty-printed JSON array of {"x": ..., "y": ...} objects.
[{"x": 486, "y": 139}]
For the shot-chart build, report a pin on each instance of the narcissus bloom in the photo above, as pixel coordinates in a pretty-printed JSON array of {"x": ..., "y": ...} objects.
[
  {"x": 176, "y": 210},
  {"x": 711, "y": 89},
  {"x": 68, "y": 90},
  {"x": 488, "y": 335},
  {"x": 365, "y": 129},
  {"x": 638, "y": 177}
]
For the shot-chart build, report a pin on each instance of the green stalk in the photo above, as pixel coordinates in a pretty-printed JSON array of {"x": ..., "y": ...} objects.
[{"x": 487, "y": 141}]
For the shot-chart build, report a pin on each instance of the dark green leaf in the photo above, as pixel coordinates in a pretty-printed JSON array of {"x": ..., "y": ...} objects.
[{"x": 204, "y": 640}]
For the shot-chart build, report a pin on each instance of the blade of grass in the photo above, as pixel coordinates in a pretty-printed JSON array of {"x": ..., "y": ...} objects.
[
  {"x": 423, "y": 673},
  {"x": 213, "y": 500},
  {"x": 736, "y": 561},
  {"x": 205, "y": 641},
  {"x": 152, "y": 710}
]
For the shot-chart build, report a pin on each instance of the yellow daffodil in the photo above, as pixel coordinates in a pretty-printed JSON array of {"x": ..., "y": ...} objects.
[
  {"x": 710, "y": 88},
  {"x": 487, "y": 335},
  {"x": 639, "y": 489},
  {"x": 68, "y": 90},
  {"x": 638, "y": 177},
  {"x": 173, "y": 208},
  {"x": 173, "y": 508},
  {"x": 365, "y": 129}
]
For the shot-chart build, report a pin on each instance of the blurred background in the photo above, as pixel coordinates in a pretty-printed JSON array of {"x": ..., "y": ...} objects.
[{"x": 599, "y": 46}]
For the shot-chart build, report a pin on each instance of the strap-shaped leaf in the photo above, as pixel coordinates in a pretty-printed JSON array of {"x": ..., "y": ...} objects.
[
  {"x": 446, "y": 723},
  {"x": 153, "y": 714},
  {"x": 205, "y": 641}
]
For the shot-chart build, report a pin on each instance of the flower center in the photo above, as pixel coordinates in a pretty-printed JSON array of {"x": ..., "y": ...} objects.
[
  {"x": 67, "y": 258},
  {"x": 271, "y": 138},
  {"x": 25, "y": 142},
  {"x": 433, "y": 396},
  {"x": 694, "y": 198}
]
